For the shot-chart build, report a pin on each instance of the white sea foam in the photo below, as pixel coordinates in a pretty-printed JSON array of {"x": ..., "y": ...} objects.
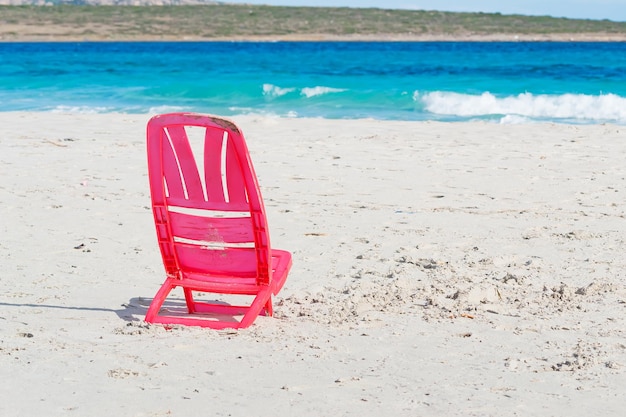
[
  {"x": 268, "y": 114},
  {"x": 80, "y": 109},
  {"x": 165, "y": 109},
  {"x": 275, "y": 91},
  {"x": 512, "y": 109},
  {"x": 318, "y": 91},
  {"x": 513, "y": 119},
  {"x": 272, "y": 90}
]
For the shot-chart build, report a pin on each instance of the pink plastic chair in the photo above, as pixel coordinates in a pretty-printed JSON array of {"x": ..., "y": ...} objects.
[{"x": 210, "y": 223}]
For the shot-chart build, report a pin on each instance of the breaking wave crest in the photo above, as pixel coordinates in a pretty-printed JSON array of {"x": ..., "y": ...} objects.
[
  {"x": 318, "y": 91},
  {"x": 275, "y": 91},
  {"x": 581, "y": 108},
  {"x": 308, "y": 92}
]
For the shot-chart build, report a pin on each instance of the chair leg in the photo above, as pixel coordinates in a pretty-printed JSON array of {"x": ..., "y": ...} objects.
[
  {"x": 269, "y": 310},
  {"x": 191, "y": 305},
  {"x": 159, "y": 299},
  {"x": 255, "y": 308}
]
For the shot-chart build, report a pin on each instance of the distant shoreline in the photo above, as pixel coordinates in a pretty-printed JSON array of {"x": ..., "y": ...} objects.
[
  {"x": 224, "y": 22},
  {"x": 575, "y": 37}
]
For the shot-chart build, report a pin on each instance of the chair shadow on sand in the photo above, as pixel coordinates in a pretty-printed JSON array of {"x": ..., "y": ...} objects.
[
  {"x": 132, "y": 311},
  {"x": 128, "y": 312},
  {"x": 174, "y": 307}
]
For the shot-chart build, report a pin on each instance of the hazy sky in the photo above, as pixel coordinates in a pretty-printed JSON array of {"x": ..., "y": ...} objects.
[{"x": 579, "y": 9}]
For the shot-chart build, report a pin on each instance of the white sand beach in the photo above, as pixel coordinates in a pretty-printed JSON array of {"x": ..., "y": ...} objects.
[{"x": 440, "y": 269}]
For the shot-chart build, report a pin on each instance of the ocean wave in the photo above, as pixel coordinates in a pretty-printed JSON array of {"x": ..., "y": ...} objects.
[
  {"x": 527, "y": 106},
  {"x": 275, "y": 91},
  {"x": 309, "y": 92}
]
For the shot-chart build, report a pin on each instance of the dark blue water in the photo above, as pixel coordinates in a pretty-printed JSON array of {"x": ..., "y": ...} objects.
[{"x": 508, "y": 82}]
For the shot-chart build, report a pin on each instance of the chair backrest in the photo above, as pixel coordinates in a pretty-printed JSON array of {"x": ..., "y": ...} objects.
[{"x": 206, "y": 201}]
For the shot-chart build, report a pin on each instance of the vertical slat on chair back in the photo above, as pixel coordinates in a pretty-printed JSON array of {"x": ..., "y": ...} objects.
[
  {"x": 213, "y": 145},
  {"x": 179, "y": 166}
]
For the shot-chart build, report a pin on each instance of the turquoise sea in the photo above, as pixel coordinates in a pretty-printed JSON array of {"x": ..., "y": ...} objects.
[{"x": 505, "y": 82}]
